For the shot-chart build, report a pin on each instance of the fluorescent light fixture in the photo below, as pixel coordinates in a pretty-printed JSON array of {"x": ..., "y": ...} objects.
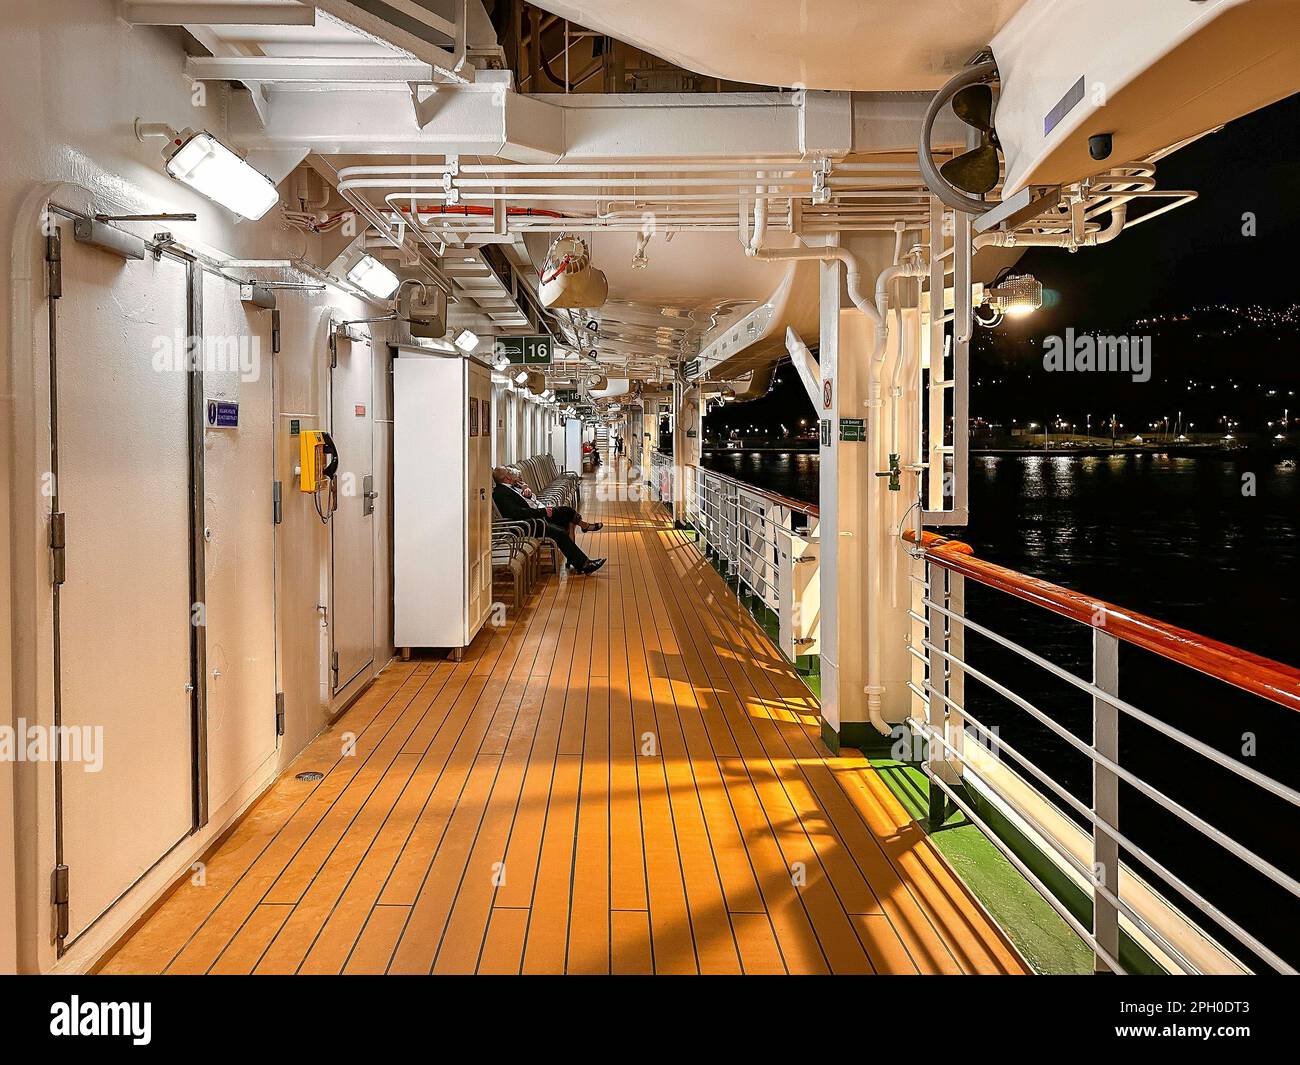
[
  {"x": 208, "y": 167},
  {"x": 372, "y": 275},
  {"x": 466, "y": 340}
]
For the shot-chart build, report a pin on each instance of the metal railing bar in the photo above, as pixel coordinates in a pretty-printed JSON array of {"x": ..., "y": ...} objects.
[
  {"x": 934, "y": 736},
  {"x": 1191, "y": 742},
  {"x": 1024, "y": 870},
  {"x": 1249, "y": 672},
  {"x": 1150, "y": 791},
  {"x": 1189, "y": 893}
]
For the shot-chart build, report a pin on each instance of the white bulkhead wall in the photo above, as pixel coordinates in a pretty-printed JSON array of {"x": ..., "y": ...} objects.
[{"x": 72, "y": 79}]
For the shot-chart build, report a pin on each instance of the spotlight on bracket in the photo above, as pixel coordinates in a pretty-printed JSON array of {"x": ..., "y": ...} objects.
[{"x": 1015, "y": 296}]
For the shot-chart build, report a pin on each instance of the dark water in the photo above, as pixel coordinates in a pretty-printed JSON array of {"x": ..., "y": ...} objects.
[{"x": 1175, "y": 538}]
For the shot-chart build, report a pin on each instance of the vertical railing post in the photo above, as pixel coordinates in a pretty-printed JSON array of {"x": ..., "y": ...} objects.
[
  {"x": 1105, "y": 796},
  {"x": 935, "y": 754},
  {"x": 956, "y": 723}
]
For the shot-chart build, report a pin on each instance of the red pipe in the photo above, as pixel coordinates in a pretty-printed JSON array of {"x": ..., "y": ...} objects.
[{"x": 472, "y": 209}]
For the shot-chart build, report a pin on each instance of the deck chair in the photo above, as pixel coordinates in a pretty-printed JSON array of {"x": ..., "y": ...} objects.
[{"x": 511, "y": 555}]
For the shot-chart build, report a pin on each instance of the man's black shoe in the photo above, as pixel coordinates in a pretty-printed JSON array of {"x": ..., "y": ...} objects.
[{"x": 593, "y": 565}]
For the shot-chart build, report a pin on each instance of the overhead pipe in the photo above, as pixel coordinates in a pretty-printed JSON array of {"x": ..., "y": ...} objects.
[{"x": 852, "y": 273}]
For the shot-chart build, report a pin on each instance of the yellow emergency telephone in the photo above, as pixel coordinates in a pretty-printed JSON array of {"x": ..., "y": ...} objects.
[
  {"x": 318, "y": 460},
  {"x": 318, "y": 463}
]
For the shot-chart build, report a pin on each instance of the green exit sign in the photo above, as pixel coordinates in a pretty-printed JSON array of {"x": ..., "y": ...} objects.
[
  {"x": 527, "y": 351},
  {"x": 853, "y": 429}
]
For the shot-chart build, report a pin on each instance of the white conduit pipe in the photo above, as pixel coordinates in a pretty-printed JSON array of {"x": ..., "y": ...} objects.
[
  {"x": 852, "y": 273},
  {"x": 760, "y": 219},
  {"x": 913, "y": 266}
]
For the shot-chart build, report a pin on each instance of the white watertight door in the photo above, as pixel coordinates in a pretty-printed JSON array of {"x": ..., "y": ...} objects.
[
  {"x": 352, "y": 543},
  {"x": 124, "y": 633},
  {"x": 239, "y": 562}
]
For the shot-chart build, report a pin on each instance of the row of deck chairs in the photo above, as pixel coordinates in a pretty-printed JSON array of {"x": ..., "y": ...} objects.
[{"x": 519, "y": 548}]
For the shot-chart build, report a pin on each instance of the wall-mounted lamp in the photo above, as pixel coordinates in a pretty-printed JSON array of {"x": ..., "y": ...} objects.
[
  {"x": 199, "y": 160},
  {"x": 466, "y": 340},
  {"x": 373, "y": 276}
]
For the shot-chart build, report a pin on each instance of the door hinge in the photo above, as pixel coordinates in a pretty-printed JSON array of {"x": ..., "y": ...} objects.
[
  {"x": 279, "y": 713},
  {"x": 59, "y": 896},
  {"x": 275, "y": 331},
  {"x": 54, "y": 264},
  {"x": 334, "y": 667},
  {"x": 58, "y": 546},
  {"x": 277, "y": 503}
]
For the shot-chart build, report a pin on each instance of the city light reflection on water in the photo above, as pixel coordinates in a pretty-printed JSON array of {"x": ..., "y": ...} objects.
[{"x": 1173, "y": 536}]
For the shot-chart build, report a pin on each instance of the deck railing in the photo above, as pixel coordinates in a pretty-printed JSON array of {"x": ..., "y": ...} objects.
[
  {"x": 662, "y": 480},
  {"x": 761, "y": 538},
  {"x": 942, "y": 715}
]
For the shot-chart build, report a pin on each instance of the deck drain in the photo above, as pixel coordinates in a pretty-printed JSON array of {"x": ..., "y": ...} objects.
[{"x": 311, "y": 775}]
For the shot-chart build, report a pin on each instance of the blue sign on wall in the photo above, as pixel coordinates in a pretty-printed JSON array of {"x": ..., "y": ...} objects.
[{"x": 223, "y": 414}]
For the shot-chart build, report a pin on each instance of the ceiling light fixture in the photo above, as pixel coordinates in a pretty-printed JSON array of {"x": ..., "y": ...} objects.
[
  {"x": 466, "y": 340},
  {"x": 196, "y": 158}
]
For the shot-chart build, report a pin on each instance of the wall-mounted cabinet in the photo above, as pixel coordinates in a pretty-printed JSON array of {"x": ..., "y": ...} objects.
[{"x": 442, "y": 499}]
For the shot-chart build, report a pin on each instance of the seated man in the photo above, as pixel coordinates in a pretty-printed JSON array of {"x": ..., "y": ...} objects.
[{"x": 516, "y": 502}]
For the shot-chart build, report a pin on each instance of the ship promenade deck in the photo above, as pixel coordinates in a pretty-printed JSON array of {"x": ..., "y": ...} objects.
[{"x": 625, "y": 777}]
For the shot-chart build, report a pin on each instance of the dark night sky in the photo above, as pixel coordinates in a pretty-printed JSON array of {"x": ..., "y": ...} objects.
[
  {"x": 1196, "y": 254},
  {"x": 1188, "y": 261}
]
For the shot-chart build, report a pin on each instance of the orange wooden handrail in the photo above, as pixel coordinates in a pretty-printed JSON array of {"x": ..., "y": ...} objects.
[{"x": 1261, "y": 676}]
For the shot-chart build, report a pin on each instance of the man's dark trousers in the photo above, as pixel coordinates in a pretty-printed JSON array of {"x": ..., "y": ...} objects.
[{"x": 514, "y": 507}]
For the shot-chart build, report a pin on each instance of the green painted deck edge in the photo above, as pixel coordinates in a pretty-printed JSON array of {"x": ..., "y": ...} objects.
[
  {"x": 1041, "y": 935},
  {"x": 1043, "y": 938}
]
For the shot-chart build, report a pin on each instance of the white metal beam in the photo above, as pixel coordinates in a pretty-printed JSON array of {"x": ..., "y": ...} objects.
[
  {"x": 487, "y": 118},
  {"x": 375, "y": 25},
  {"x": 207, "y": 37},
  {"x": 425, "y": 16},
  {"x": 482, "y": 119},
  {"x": 217, "y": 14},
  {"x": 306, "y": 69}
]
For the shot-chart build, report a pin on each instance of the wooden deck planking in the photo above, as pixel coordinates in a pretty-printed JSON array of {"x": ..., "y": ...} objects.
[{"x": 625, "y": 777}]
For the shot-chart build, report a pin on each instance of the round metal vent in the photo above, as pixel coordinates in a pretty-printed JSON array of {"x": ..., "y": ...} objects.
[{"x": 311, "y": 775}]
